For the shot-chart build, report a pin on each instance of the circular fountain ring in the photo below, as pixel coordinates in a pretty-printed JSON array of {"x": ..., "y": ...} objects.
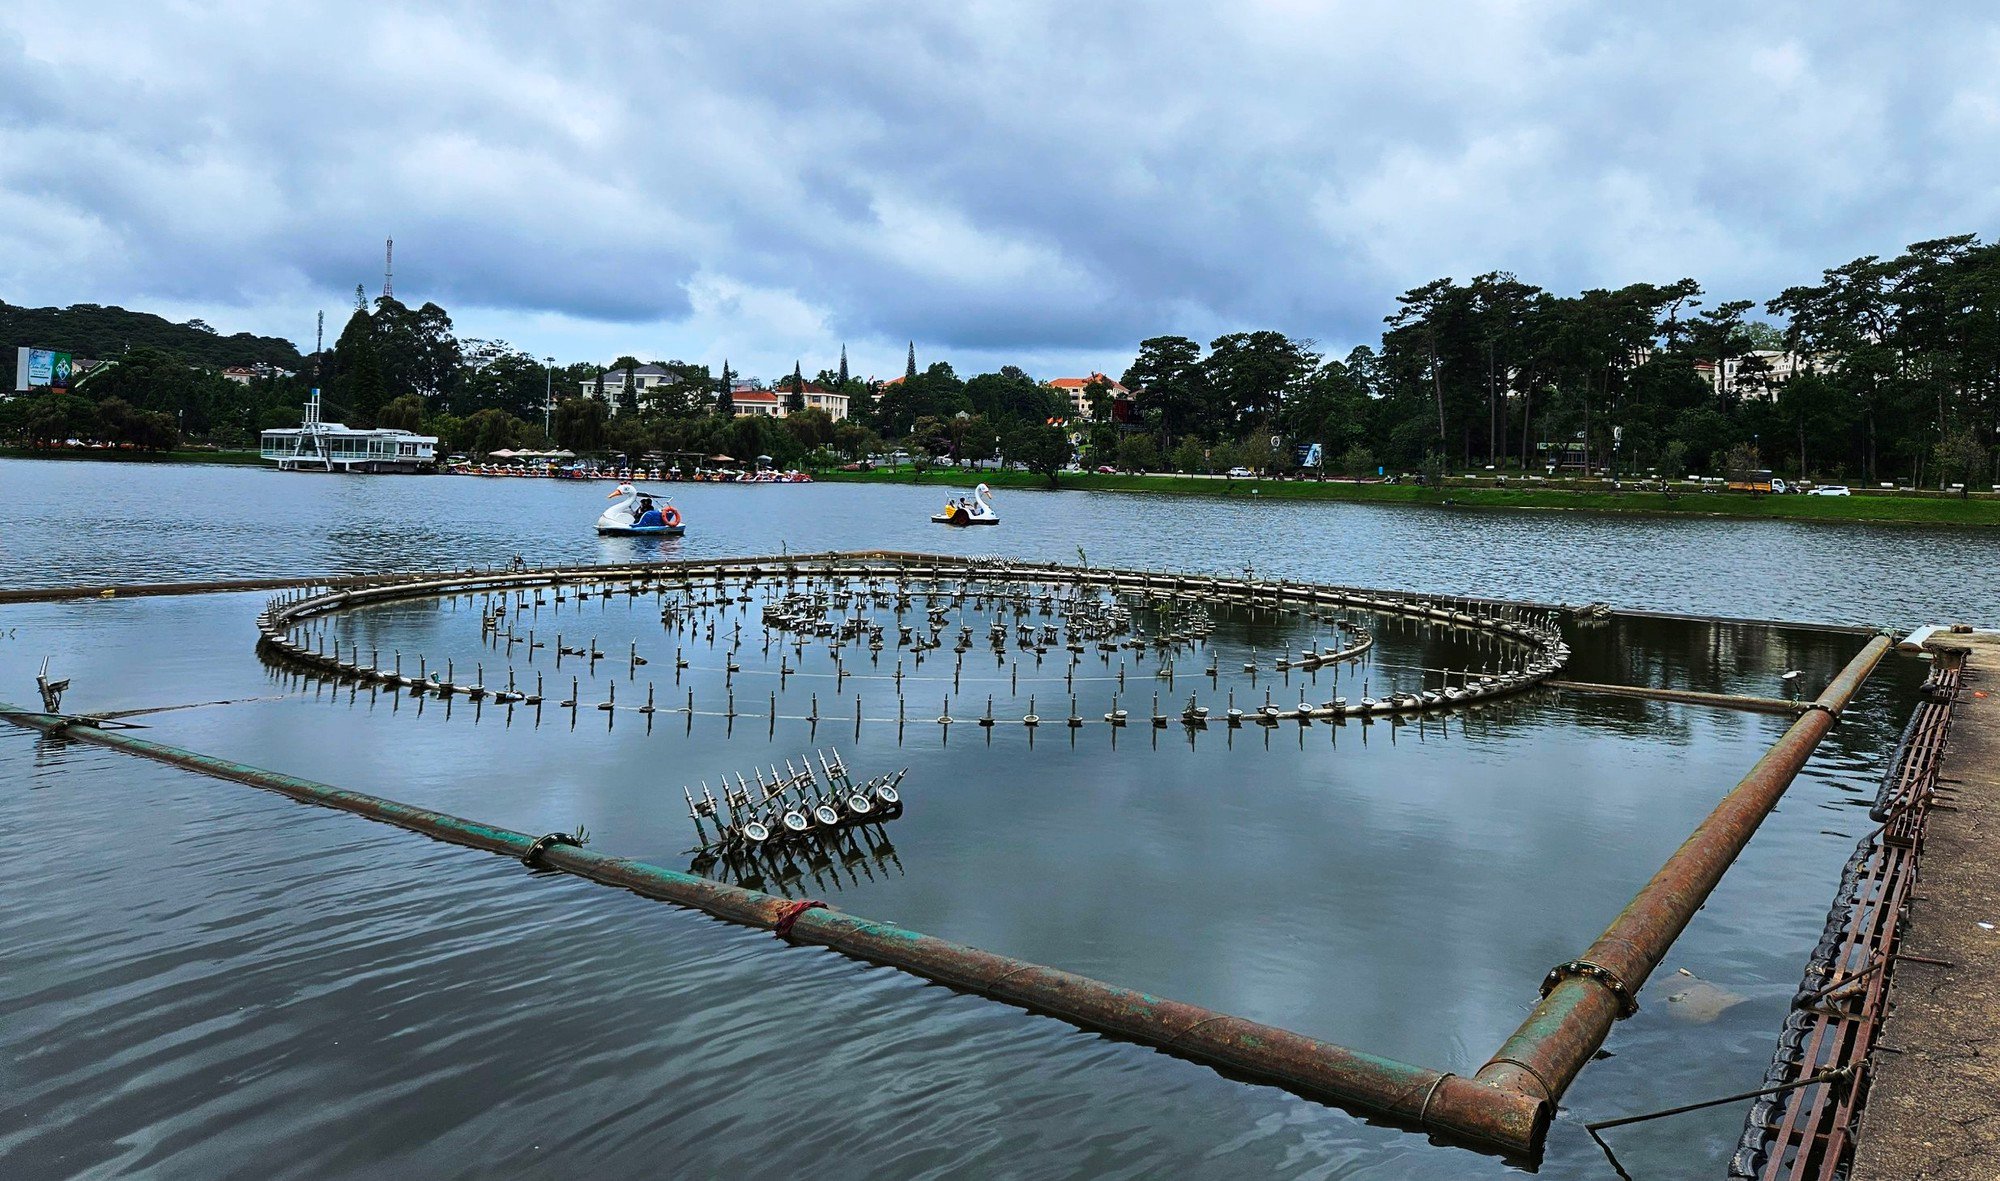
[{"x": 1534, "y": 630}]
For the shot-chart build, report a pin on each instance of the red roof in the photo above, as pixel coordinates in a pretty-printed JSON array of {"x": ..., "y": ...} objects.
[
  {"x": 1077, "y": 383},
  {"x": 741, "y": 396}
]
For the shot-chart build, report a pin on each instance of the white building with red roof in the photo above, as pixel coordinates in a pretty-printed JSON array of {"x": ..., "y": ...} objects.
[
  {"x": 775, "y": 403},
  {"x": 1074, "y": 387}
]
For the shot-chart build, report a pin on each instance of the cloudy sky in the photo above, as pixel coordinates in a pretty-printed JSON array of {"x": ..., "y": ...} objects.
[{"x": 1037, "y": 183}]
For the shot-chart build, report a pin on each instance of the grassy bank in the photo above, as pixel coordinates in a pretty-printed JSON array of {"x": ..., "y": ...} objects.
[
  {"x": 1887, "y": 508},
  {"x": 107, "y": 455}
]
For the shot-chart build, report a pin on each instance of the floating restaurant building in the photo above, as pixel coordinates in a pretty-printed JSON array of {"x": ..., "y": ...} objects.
[{"x": 318, "y": 446}]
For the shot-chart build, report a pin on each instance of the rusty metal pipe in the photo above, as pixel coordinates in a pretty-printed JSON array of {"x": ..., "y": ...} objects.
[
  {"x": 1451, "y": 1106},
  {"x": 1767, "y": 705},
  {"x": 1582, "y": 999}
]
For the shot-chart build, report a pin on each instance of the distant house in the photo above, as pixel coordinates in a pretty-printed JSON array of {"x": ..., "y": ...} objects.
[
  {"x": 1074, "y": 387},
  {"x": 775, "y": 403},
  {"x": 1757, "y": 374},
  {"x": 646, "y": 382},
  {"x": 245, "y": 374},
  {"x": 756, "y": 403}
]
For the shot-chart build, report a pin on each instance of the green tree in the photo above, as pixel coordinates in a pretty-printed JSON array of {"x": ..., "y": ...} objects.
[
  {"x": 1170, "y": 387},
  {"x": 811, "y": 429},
  {"x": 579, "y": 424},
  {"x": 405, "y": 414},
  {"x": 1674, "y": 460},
  {"x": 1250, "y": 375},
  {"x": 855, "y": 441},
  {"x": 929, "y": 441},
  {"x": 795, "y": 401},
  {"x": 1962, "y": 460},
  {"x": 122, "y": 425},
  {"x": 1097, "y": 397},
  {"x": 1043, "y": 448},
  {"x": 493, "y": 430},
  {"x": 629, "y": 436},
  {"x": 355, "y": 386},
  {"x": 54, "y": 419},
  {"x": 1011, "y": 398},
  {"x": 1137, "y": 453},
  {"x": 935, "y": 393},
  {"x": 628, "y": 394}
]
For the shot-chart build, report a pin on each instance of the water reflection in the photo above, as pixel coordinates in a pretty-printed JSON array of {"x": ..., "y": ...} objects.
[
  {"x": 217, "y": 522},
  {"x": 1400, "y": 888}
]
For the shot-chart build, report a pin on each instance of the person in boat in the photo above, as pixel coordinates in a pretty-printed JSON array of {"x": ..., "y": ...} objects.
[{"x": 649, "y": 517}]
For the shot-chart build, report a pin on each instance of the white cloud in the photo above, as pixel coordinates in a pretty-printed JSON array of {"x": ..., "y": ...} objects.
[{"x": 1035, "y": 182}]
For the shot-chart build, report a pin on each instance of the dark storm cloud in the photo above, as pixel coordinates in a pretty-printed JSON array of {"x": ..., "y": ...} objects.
[{"x": 1038, "y": 179}]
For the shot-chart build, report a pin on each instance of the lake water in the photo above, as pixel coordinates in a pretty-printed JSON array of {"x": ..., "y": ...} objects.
[{"x": 207, "y": 980}]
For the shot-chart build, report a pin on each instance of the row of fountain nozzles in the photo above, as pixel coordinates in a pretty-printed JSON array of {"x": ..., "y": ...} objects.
[{"x": 793, "y": 804}]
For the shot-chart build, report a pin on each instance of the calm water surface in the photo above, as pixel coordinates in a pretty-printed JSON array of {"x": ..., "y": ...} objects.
[
  {"x": 76, "y": 521},
  {"x": 205, "y": 980}
]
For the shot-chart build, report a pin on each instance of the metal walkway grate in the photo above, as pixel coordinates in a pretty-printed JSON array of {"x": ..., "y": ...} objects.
[{"x": 1807, "y": 1133}]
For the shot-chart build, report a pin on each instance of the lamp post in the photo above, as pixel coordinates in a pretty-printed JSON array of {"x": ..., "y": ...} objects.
[{"x": 548, "y": 393}]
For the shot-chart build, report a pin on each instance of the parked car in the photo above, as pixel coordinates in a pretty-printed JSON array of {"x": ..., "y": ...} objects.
[
  {"x": 1830, "y": 490},
  {"x": 1105, "y": 469},
  {"x": 1241, "y": 473}
]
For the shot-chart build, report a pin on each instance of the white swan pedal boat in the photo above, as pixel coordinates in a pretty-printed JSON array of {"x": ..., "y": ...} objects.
[
  {"x": 638, "y": 516},
  {"x": 976, "y": 511}
]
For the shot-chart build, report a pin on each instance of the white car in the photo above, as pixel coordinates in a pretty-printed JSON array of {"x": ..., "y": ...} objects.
[
  {"x": 1242, "y": 473},
  {"x": 1830, "y": 490}
]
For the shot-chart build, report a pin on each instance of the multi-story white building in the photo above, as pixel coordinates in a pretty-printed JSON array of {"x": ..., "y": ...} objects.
[
  {"x": 1074, "y": 389},
  {"x": 1758, "y": 373},
  {"x": 772, "y": 403},
  {"x": 646, "y": 381}
]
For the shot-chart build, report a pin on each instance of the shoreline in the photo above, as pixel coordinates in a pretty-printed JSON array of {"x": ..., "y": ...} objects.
[
  {"x": 111, "y": 455},
  {"x": 1866, "y": 508}
]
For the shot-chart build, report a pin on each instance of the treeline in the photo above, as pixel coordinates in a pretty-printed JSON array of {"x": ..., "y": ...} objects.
[
  {"x": 100, "y": 333},
  {"x": 1885, "y": 369}
]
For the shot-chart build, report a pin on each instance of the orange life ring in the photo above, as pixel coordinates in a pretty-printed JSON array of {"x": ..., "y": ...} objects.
[{"x": 672, "y": 516}]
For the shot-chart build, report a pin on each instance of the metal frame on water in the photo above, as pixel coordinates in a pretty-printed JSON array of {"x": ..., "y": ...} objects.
[{"x": 1505, "y": 1107}]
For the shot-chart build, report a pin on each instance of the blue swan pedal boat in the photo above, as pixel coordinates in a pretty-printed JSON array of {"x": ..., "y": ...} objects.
[{"x": 637, "y": 516}]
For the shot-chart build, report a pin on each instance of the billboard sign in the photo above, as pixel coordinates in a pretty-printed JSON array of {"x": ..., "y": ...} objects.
[
  {"x": 42, "y": 369},
  {"x": 1309, "y": 454}
]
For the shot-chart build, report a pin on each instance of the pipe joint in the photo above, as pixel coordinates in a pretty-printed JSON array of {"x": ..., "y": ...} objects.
[
  {"x": 1628, "y": 1003},
  {"x": 544, "y": 843}
]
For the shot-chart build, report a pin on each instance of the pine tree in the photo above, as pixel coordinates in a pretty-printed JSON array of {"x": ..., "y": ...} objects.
[
  {"x": 725, "y": 405},
  {"x": 797, "y": 401},
  {"x": 843, "y": 369},
  {"x": 910, "y": 371}
]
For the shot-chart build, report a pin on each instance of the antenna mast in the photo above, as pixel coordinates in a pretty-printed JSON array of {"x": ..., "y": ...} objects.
[{"x": 389, "y": 270}]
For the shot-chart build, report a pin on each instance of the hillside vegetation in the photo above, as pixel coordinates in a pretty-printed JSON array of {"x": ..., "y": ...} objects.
[{"x": 105, "y": 333}]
